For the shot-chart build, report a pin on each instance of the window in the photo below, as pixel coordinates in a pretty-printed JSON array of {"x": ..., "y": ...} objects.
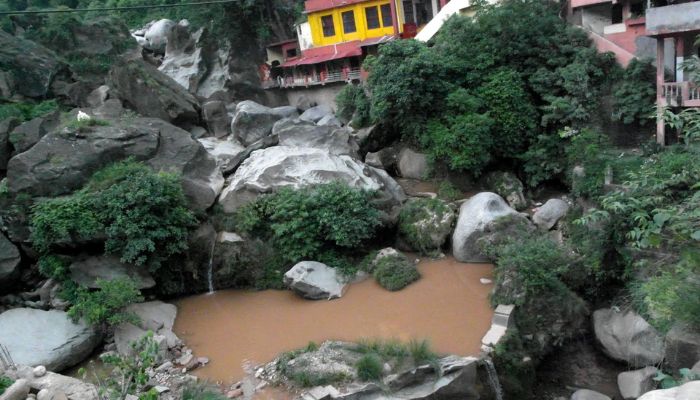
[
  {"x": 372, "y": 15},
  {"x": 616, "y": 13},
  {"x": 291, "y": 53},
  {"x": 349, "y": 22},
  {"x": 387, "y": 20},
  {"x": 327, "y": 25}
]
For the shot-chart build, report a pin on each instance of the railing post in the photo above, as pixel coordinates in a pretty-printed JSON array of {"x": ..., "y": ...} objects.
[
  {"x": 660, "y": 123},
  {"x": 685, "y": 93}
]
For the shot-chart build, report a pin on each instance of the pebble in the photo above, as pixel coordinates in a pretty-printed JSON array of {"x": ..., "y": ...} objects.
[
  {"x": 234, "y": 393},
  {"x": 39, "y": 371},
  {"x": 161, "y": 389},
  {"x": 485, "y": 281},
  {"x": 165, "y": 366}
]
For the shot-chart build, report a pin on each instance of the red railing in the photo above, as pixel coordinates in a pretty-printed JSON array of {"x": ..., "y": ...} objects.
[
  {"x": 322, "y": 78},
  {"x": 680, "y": 94}
]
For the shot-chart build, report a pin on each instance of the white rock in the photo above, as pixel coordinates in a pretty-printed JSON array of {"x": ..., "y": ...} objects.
[
  {"x": 626, "y": 336},
  {"x": 39, "y": 371},
  {"x": 687, "y": 391},
  {"x": 633, "y": 384},
  {"x": 315, "y": 280},
  {"x": 550, "y": 213}
]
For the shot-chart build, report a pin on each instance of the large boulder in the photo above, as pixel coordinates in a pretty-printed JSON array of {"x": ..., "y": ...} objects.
[
  {"x": 226, "y": 152},
  {"x": 27, "y": 69},
  {"x": 10, "y": 260},
  {"x": 550, "y": 213},
  {"x": 151, "y": 93},
  {"x": 268, "y": 170},
  {"x": 6, "y": 126},
  {"x": 508, "y": 186},
  {"x": 314, "y": 280},
  {"x": 50, "y": 338},
  {"x": 425, "y": 224},
  {"x": 72, "y": 388},
  {"x": 682, "y": 347},
  {"x": 586, "y": 394},
  {"x": 633, "y": 384},
  {"x": 153, "y": 316},
  {"x": 63, "y": 161},
  {"x": 17, "y": 391},
  {"x": 156, "y": 35},
  {"x": 86, "y": 271},
  {"x": 252, "y": 121},
  {"x": 184, "y": 61},
  {"x": 687, "y": 391},
  {"x": 217, "y": 118},
  {"x": 337, "y": 141},
  {"x": 626, "y": 336},
  {"x": 413, "y": 165},
  {"x": 29, "y": 133},
  {"x": 316, "y": 114},
  {"x": 475, "y": 217}
]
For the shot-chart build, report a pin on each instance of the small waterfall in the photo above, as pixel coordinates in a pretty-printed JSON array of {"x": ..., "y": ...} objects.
[
  {"x": 210, "y": 272},
  {"x": 493, "y": 379}
]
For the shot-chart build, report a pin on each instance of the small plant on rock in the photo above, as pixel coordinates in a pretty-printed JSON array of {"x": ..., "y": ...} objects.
[
  {"x": 395, "y": 272},
  {"x": 5, "y": 383},
  {"x": 369, "y": 368},
  {"x": 105, "y": 306},
  {"x": 130, "y": 373}
]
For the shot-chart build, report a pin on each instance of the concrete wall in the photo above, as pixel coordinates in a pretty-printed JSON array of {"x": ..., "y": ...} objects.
[
  {"x": 674, "y": 18},
  {"x": 596, "y": 18},
  {"x": 315, "y": 95}
]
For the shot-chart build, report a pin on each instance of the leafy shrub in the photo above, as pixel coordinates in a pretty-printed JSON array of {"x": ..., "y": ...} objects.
[
  {"x": 449, "y": 192},
  {"x": 635, "y": 94},
  {"x": 369, "y": 368},
  {"x": 417, "y": 219},
  {"x": 588, "y": 150},
  {"x": 105, "y": 306},
  {"x": 142, "y": 214},
  {"x": 130, "y": 373},
  {"x": 353, "y": 105},
  {"x": 5, "y": 383},
  {"x": 395, "y": 272},
  {"x": 308, "y": 223},
  {"x": 200, "y": 391},
  {"x": 27, "y": 111},
  {"x": 54, "y": 267}
]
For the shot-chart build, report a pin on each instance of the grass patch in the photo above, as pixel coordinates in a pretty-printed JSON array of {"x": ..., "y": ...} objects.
[
  {"x": 395, "y": 272},
  {"x": 85, "y": 124},
  {"x": 421, "y": 352},
  {"x": 27, "y": 111},
  {"x": 5, "y": 383},
  {"x": 369, "y": 367}
]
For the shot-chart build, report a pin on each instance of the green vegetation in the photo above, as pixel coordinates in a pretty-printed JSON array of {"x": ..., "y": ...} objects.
[
  {"x": 353, "y": 105},
  {"x": 449, "y": 192},
  {"x": 395, "y": 272},
  {"x": 200, "y": 391},
  {"x": 667, "y": 381},
  {"x": 634, "y": 95},
  {"x": 5, "y": 383},
  {"x": 304, "y": 378},
  {"x": 84, "y": 125},
  {"x": 104, "y": 307},
  {"x": 369, "y": 367},
  {"x": 130, "y": 373},
  {"x": 417, "y": 221},
  {"x": 142, "y": 214},
  {"x": 315, "y": 223},
  {"x": 419, "y": 351},
  {"x": 27, "y": 111}
]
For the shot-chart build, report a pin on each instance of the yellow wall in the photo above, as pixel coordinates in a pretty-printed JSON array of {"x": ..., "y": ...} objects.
[{"x": 361, "y": 32}]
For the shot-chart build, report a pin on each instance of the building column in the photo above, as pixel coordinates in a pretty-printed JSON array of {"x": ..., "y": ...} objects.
[
  {"x": 679, "y": 42},
  {"x": 660, "y": 101},
  {"x": 434, "y": 3},
  {"x": 394, "y": 17}
]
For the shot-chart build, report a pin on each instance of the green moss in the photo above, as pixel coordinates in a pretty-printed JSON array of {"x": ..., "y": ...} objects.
[
  {"x": 395, "y": 272},
  {"x": 421, "y": 222},
  {"x": 5, "y": 383},
  {"x": 369, "y": 368}
]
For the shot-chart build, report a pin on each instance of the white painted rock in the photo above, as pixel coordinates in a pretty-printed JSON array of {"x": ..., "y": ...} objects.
[{"x": 314, "y": 280}]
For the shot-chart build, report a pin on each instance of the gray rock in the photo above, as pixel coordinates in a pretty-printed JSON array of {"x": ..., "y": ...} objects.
[
  {"x": 413, "y": 165},
  {"x": 270, "y": 169},
  {"x": 508, "y": 186},
  {"x": 252, "y": 121},
  {"x": 626, "y": 336},
  {"x": 17, "y": 391},
  {"x": 156, "y": 36},
  {"x": 550, "y": 213},
  {"x": 151, "y": 93},
  {"x": 87, "y": 270},
  {"x": 48, "y": 338},
  {"x": 475, "y": 215},
  {"x": 329, "y": 120},
  {"x": 225, "y": 152},
  {"x": 10, "y": 260},
  {"x": 75, "y": 156},
  {"x": 217, "y": 118},
  {"x": 682, "y": 347},
  {"x": 59, "y": 387},
  {"x": 98, "y": 96},
  {"x": 385, "y": 159},
  {"x": 6, "y": 126},
  {"x": 687, "y": 391},
  {"x": 585, "y": 394},
  {"x": 337, "y": 141},
  {"x": 184, "y": 60},
  {"x": 315, "y": 114},
  {"x": 154, "y": 316},
  {"x": 26, "y": 68},
  {"x": 29, "y": 133},
  {"x": 315, "y": 281},
  {"x": 633, "y": 384},
  {"x": 374, "y": 160}
]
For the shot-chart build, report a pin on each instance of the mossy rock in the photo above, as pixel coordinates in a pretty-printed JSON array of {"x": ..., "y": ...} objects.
[
  {"x": 508, "y": 186},
  {"x": 425, "y": 224},
  {"x": 393, "y": 270}
]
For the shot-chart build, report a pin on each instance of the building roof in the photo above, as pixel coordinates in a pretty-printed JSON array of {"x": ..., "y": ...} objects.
[
  {"x": 283, "y": 42},
  {"x": 320, "y": 5},
  {"x": 325, "y": 53}
]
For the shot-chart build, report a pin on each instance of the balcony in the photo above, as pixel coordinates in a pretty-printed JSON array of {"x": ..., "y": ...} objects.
[
  {"x": 680, "y": 94},
  {"x": 314, "y": 80},
  {"x": 675, "y": 18}
]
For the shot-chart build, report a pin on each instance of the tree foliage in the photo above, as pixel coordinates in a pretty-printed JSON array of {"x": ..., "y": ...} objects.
[{"x": 634, "y": 94}]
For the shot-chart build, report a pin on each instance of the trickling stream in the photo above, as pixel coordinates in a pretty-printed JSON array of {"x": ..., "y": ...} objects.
[
  {"x": 493, "y": 379},
  {"x": 448, "y": 306}
]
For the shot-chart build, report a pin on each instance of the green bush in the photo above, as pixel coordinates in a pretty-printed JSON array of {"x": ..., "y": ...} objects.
[
  {"x": 369, "y": 368},
  {"x": 310, "y": 223},
  {"x": 200, "y": 391},
  {"x": 130, "y": 373},
  {"x": 5, "y": 383},
  {"x": 54, "y": 267},
  {"x": 27, "y": 111},
  {"x": 104, "y": 307},
  {"x": 635, "y": 94},
  {"x": 395, "y": 272},
  {"x": 419, "y": 235},
  {"x": 587, "y": 149},
  {"x": 142, "y": 214},
  {"x": 353, "y": 105}
]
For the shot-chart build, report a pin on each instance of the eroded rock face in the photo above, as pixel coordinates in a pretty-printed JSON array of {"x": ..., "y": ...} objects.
[
  {"x": 10, "y": 260},
  {"x": 152, "y": 93},
  {"x": 337, "y": 141},
  {"x": 224, "y": 151},
  {"x": 6, "y": 126},
  {"x": 550, "y": 213},
  {"x": 26, "y": 68},
  {"x": 49, "y": 338},
  {"x": 682, "y": 347},
  {"x": 252, "y": 121},
  {"x": 687, "y": 391},
  {"x": 87, "y": 271},
  {"x": 29, "y": 133},
  {"x": 154, "y": 316},
  {"x": 63, "y": 161},
  {"x": 475, "y": 216},
  {"x": 626, "y": 336},
  {"x": 412, "y": 165},
  {"x": 217, "y": 118},
  {"x": 268, "y": 170},
  {"x": 508, "y": 186},
  {"x": 184, "y": 60},
  {"x": 316, "y": 114},
  {"x": 314, "y": 280},
  {"x": 155, "y": 37}
]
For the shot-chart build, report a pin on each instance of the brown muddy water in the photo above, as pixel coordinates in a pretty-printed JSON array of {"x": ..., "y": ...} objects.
[{"x": 448, "y": 306}]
